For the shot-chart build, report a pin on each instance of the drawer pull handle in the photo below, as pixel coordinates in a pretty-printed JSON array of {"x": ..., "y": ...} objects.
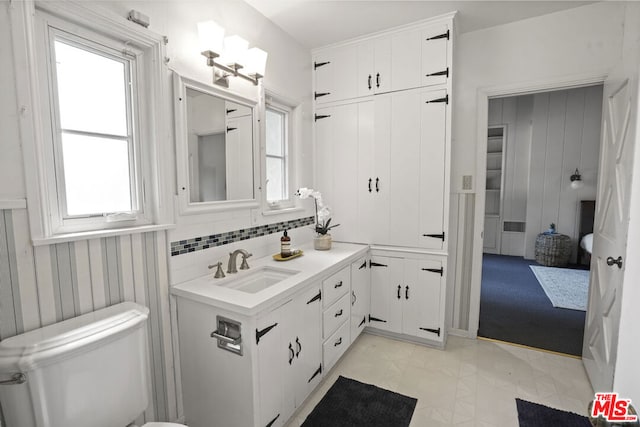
[
  {"x": 299, "y": 347},
  {"x": 291, "y": 353},
  {"x": 338, "y": 285},
  {"x": 406, "y": 293},
  {"x": 337, "y": 343},
  {"x": 399, "y": 287},
  {"x": 353, "y": 298},
  {"x": 339, "y": 313}
]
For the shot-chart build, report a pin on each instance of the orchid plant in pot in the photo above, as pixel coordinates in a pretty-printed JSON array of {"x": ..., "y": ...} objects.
[{"x": 322, "y": 241}]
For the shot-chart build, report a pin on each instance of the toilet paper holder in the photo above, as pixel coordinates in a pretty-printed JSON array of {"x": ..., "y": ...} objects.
[{"x": 228, "y": 334}]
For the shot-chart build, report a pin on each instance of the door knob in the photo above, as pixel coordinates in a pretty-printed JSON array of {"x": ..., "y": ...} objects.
[{"x": 611, "y": 261}]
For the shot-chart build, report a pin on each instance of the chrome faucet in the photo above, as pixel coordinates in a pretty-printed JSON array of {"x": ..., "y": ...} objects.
[{"x": 231, "y": 267}]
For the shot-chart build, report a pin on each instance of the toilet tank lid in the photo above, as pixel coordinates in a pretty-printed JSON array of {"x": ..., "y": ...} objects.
[{"x": 27, "y": 351}]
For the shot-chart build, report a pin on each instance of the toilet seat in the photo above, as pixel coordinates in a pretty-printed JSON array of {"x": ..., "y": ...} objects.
[{"x": 163, "y": 425}]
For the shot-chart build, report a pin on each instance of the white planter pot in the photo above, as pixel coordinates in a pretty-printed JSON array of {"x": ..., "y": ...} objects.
[{"x": 322, "y": 242}]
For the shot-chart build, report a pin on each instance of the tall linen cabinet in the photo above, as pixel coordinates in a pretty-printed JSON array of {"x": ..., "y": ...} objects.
[{"x": 382, "y": 127}]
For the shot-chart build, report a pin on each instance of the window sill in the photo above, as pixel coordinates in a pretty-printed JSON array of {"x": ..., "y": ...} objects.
[
  {"x": 282, "y": 211},
  {"x": 96, "y": 234}
]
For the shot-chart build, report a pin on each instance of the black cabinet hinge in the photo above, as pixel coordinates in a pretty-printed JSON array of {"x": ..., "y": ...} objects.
[
  {"x": 440, "y": 73},
  {"x": 230, "y": 129},
  {"x": 231, "y": 110},
  {"x": 260, "y": 334},
  {"x": 376, "y": 264},
  {"x": 315, "y": 298},
  {"x": 364, "y": 265},
  {"x": 445, "y": 100},
  {"x": 317, "y": 95},
  {"x": 364, "y": 319},
  {"x": 435, "y": 236},
  {"x": 435, "y": 270},
  {"x": 273, "y": 421},
  {"x": 319, "y": 116},
  {"x": 433, "y": 331},
  {"x": 316, "y": 65},
  {"x": 375, "y": 319},
  {"x": 316, "y": 373},
  {"x": 440, "y": 36}
]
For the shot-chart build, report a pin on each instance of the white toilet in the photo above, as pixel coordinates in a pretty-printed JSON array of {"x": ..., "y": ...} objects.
[{"x": 91, "y": 370}]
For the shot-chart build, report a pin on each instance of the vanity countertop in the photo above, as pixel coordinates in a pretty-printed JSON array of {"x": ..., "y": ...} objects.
[{"x": 313, "y": 265}]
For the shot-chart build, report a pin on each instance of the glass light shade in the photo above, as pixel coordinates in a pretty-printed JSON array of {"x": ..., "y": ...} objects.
[
  {"x": 255, "y": 61},
  {"x": 234, "y": 50},
  {"x": 211, "y": 36},
  {"x": 577, "y": 184}
]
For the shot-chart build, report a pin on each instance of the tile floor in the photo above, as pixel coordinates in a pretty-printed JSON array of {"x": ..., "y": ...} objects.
[{"x": 471, "y": 383}]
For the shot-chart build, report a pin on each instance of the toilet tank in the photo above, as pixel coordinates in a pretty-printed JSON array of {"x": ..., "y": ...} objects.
[{"x": 91, "y": 370}]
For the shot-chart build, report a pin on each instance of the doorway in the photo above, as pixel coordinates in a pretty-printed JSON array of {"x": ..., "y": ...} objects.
[{"x": 536, "y": 143}]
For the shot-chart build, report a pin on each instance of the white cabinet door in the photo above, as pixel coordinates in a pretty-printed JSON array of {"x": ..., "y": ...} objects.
[
  {"x": 374, "y": 66},
  {"x": 360, "y": 296},
  {"x": 424, "y": 302},
  {"x": 306, "y": 340},
  {"x": 406, "y": 60},
  {"x": 407, "y": 296},
  {"x": 433, "y": 171},
  {"x": 272, "y": 359},
  {"x": 336, "y": 74},
  {"x": 386, "y": 289},
  {"x": 344, "y": 147},
  {"x": 289, "y": 356},
  {"x": 435, "y": 54},
  {"x": 404, "y": 160}
]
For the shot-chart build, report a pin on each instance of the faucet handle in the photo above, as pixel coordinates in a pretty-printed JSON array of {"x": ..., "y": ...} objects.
[
  {"x": 244, "y": 265},
  {"x": 219, "y": 273}
]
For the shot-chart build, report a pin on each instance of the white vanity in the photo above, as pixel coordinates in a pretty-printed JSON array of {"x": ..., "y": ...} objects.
[{"x": 254, "y": 344}]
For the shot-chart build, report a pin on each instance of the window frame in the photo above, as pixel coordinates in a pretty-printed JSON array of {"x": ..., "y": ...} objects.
[
  {"x": 281, "y": 105},
  {"x": 67, "y": 221},
  {"x": 28, "y": 21}
]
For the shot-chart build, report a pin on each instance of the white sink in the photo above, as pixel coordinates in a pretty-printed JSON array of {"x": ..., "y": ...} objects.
[{"x": 258, "y": 279}]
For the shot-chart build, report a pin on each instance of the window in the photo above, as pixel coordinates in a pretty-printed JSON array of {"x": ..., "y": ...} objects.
[
  {"x": 94, "y": 151},
  {"x": 277, "y": 117},
  {"x": 93, "y": 137}
]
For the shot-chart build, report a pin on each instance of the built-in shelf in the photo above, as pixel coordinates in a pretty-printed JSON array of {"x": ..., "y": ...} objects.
[{"x": 493, "y": 193}]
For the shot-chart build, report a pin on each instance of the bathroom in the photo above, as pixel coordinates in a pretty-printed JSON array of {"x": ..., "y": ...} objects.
[{"x": 50, "y": 276}]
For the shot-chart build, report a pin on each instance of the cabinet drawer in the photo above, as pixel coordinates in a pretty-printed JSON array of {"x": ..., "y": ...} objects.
[
  {"x": 335, "y": 315},
  {"x": 333, "y": 287},
  {"x": 333, "y": 347}
]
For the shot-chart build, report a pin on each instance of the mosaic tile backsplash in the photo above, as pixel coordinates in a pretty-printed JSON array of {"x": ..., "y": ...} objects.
[{"x": 203, "y": 242}]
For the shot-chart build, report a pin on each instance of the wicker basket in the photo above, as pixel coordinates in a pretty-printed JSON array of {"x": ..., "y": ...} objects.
[{"x": 553, "y": 250}]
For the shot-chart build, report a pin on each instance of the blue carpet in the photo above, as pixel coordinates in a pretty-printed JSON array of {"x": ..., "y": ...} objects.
[{"x": 514, "y": 308}]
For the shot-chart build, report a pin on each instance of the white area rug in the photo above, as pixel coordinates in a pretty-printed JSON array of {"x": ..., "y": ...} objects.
[{"x": 565, "y": 287}]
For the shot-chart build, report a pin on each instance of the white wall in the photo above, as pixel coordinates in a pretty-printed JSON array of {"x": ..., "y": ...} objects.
[{"x": 565, "y": 136}]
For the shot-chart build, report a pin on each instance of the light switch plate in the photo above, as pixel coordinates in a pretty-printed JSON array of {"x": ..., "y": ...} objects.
[{"x": 466, "y": 182}]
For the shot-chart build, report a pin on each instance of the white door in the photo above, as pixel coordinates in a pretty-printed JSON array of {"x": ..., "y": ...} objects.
[{"x": 610, "y": 229}]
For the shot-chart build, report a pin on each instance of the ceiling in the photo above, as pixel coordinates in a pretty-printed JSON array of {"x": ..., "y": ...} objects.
[{"x": 316, "y": 23}]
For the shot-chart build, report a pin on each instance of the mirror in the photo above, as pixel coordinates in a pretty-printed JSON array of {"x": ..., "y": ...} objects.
[{"x": 215, "y": 137}]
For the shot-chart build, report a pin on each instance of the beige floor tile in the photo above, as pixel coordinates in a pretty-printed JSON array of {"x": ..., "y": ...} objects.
[{"x": 470, "y": 383}]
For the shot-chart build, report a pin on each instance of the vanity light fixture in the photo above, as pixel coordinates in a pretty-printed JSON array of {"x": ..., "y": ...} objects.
[
  {"x": 228, "y": 55},
  {"x": 576, "y": 180}
]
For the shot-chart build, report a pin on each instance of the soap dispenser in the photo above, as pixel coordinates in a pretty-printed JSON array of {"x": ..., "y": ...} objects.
[{"x": 285, "y": 245}]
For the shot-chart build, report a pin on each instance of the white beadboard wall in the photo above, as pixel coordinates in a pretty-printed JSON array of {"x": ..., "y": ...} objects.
[
  {"x": 47, "y": 284},
  {"x": 515, "y": 114},
  {"x": 565, "y": 136},
  {"x": 549, "y": 135}
]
